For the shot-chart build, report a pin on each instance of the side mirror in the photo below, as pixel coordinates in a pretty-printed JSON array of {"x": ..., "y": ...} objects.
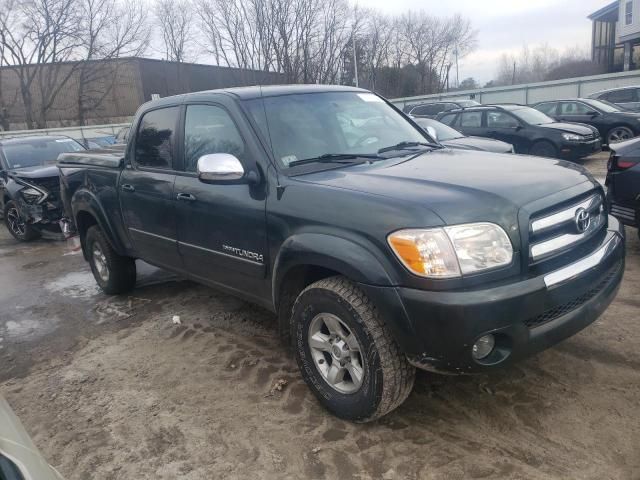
[
  {"x": 223, "y": 168},
  {"x": 432, "y": 132}
]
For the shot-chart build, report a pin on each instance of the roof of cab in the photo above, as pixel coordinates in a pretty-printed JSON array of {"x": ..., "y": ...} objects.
[{"x": 248, "y": 93}]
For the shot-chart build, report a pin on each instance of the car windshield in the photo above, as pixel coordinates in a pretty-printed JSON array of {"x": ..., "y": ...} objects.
[
  {"x": 602, "y": 105},
  {"x": 532, "y": 116},
  {"x": 32, "y": 153},
  {"x": 312, "y": 125},
  {"x": 443, "y": 132}
]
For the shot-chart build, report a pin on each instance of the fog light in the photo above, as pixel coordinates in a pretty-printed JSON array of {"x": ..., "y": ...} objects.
[{"x": 483, "y": 347}]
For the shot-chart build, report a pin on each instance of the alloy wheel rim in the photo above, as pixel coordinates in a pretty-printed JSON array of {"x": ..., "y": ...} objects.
[
  {"x": 100, "y": 262},
  {"x": 16, "y": 224},
  {"x": 336, "y": 353},
  {"x": 619, "y": 135}
]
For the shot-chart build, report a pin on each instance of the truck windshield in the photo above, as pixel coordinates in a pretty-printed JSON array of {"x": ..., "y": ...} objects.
[
  {"x": 314, "y": 125},
  {"x": 32, "y": 152}
]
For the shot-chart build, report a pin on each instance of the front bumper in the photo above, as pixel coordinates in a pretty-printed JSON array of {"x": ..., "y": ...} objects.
[
  {"x": 577, "y": 150},
  {"x": 525, "y": 317}
]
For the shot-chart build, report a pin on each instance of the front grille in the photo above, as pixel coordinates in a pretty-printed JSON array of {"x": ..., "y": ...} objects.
[
  {"x": 560, "y": 310},
  {"x": 626, "y": 214},
  {"x": 554, "y": 232}
]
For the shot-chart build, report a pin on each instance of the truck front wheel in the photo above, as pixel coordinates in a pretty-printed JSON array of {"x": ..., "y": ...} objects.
[
  {"x": 114, "y": 273},
  {"x": 346, "y": 354}
]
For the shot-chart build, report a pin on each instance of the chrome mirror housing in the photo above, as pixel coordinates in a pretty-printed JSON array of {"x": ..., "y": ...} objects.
[{"x": 220, "y": 168}]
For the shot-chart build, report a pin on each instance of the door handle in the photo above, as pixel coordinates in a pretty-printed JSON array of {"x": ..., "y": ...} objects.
[
  {"x": 186, "y": 197},
  {"x": 128, "y": 188}
]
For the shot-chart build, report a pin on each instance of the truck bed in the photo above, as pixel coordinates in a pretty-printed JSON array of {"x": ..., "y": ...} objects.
[{"x": 108, "y": 157}]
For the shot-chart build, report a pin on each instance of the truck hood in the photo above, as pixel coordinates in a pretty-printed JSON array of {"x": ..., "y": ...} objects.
[
  {"x": 577, "y": 128},
  {"x": 461, "y": 186},
  {"x": 38, "y": 171}
]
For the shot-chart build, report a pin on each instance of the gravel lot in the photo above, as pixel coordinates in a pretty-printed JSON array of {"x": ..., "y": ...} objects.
[{"x": 110, "y": 388}]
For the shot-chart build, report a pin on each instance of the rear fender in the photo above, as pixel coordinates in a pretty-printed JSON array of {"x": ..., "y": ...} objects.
[{"x": 85, "y": 201}]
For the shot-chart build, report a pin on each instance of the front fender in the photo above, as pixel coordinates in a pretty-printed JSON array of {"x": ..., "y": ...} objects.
[
  {"x": 85, "y": 201},
  {"x": 374, "y": 274},
  {"x": 335, "y": 253}
]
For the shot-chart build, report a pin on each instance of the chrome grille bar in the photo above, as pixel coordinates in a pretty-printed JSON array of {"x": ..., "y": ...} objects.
[
  {"x": 542, "y": 249},
  {"x": 565, "y": 216}
]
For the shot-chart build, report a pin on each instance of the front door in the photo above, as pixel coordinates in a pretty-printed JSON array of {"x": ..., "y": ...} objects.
[
  {"x": 504, "y": 126},
  {"x": 221, "y": 227},
  {"x": 146, "y": 189}
]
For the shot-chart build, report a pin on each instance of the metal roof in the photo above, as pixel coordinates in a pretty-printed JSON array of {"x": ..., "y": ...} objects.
[{"x": 608, "y": 13}]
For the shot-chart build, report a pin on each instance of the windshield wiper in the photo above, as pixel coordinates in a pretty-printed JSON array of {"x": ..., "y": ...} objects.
[
  {"x": 406, "y": 145},
  {"x": 346, "y": 158}
]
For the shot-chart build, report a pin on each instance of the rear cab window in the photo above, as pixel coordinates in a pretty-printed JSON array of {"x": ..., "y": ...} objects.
[{"x": 155, "y": 138}]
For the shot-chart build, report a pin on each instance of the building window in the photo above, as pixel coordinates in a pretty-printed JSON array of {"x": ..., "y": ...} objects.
[{"x": 628, "y": 13}]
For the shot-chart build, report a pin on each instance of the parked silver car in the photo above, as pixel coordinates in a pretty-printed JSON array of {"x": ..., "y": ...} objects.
[
  {"x": 19, "y": 457},
  {"x": 627, "y": 98}
]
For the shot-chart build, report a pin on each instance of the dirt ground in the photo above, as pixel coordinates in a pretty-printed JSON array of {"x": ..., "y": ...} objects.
[{"x": 110, "y": 388}]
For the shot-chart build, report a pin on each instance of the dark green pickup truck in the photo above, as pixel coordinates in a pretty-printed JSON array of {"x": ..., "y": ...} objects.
[{"x": 378, "y": 249}]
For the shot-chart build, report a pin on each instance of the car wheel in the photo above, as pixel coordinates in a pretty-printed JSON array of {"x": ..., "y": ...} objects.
[
  {"x": 114, "y": 273},
  {"x": 544, "y": 149},
  {"x": 17, "y": 225},
  {"x": 346, "y": 353},
  {"x": 619, "y": 134}
]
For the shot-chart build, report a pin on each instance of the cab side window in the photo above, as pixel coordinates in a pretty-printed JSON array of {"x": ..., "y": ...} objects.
[
  {"x": 574, "y": 108},
  {"x": 449, "y": 119},
  {"x": 548, "y": 108},
  {"x": 501, "y": 120},
  {"x": 471, "y": 119},
  {"x": 209, "y": 129},
  {"x": 155, "y": 139}
]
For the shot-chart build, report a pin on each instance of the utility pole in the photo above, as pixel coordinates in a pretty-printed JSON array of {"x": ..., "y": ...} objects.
[
  {"x": 355, "y": 58},
  {"x": 457, "y": 68}
]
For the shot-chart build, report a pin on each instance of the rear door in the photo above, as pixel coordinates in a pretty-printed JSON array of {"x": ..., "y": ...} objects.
[
  {"x": 221, "y": 227},
  {"x": 146, "y": 188}
]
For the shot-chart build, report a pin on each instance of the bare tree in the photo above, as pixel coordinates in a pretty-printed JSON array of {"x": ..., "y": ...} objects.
[
  {"x": 106, "y": 40},
  {"x": 174, "y": 18},
  {"x": 37, "y": 37}
]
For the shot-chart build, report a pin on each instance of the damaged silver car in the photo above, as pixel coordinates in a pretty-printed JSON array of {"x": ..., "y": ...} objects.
[{"x": 30, "y": 184}]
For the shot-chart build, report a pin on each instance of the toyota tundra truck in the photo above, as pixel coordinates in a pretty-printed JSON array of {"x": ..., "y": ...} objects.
[{"x": 378, "y": 249}]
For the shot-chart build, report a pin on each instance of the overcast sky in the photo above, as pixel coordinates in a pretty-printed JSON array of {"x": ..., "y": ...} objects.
[{"x": 507, "y": 25}]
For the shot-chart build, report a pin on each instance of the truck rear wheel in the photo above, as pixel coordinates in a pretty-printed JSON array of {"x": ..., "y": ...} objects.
[
  {"x": 114, "y": 273},
  {"x": 346, "y": 354}
]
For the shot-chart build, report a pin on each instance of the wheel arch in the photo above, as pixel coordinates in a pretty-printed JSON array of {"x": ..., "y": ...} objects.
[
  {"x": 87, "y": 211},
  {"x": 306, "y": 258}
]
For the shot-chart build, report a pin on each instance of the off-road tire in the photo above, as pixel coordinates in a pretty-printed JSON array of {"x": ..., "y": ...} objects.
[
  {"x": 388, "y": 376},
  {"x": 121, "y": 270},
  {"x": 29, "y": 234},
  {"x": 544, "y": 149}
]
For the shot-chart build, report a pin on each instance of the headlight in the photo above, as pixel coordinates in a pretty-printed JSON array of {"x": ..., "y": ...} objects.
[
  {"x": 452, "y": 251},
  {"x": 572, "y": 137},
  {"x": 31, "y": 195}
]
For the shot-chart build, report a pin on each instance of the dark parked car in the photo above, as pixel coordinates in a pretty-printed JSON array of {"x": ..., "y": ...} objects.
[
  {"x": 613, "y": 124},
  {"x": 450, "y": 137},
  {"x": 528, "y": 130},
  {"x": 627, "y": 98},
  {"x": 623, "y": 182},
  {"x": 30, "y": 184},
  {"x": 431, "y": 110},
  {"x": 378, "y": 251}
]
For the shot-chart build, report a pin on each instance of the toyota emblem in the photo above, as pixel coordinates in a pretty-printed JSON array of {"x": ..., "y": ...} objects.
[{"x": 583, "y": 220}]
